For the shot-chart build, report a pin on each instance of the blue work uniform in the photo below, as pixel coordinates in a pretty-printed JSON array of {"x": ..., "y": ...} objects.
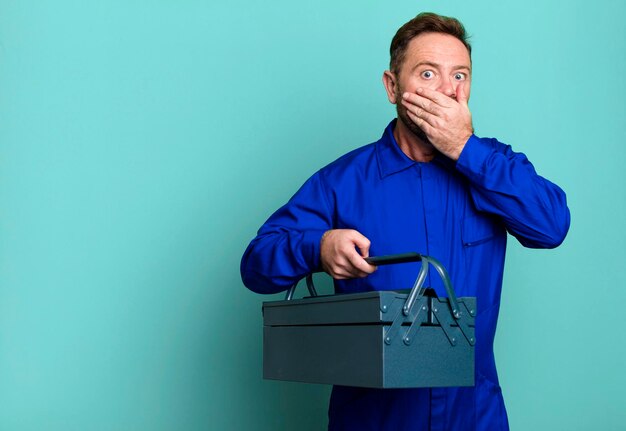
[{"x": 458, "y": 212}]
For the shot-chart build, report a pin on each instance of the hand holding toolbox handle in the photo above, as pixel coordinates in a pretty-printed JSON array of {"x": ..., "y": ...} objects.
[{"x": 419, "y": 282}]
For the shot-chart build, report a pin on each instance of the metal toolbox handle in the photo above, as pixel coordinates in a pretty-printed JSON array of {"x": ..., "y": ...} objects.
[
  {"x": 419, "y": 282},
  {"x": 309, "y": 285},
  {"x": 421, "y": 277}
]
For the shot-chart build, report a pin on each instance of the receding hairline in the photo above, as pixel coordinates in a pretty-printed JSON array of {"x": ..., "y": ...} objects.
[{"x": 424, "y": 23}]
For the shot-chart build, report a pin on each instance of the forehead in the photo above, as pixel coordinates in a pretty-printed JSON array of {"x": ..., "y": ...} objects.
[{"x": 438, "y": 48}]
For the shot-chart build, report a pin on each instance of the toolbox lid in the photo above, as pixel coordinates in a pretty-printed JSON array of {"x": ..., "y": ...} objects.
[{"x": 350, "y": 308}]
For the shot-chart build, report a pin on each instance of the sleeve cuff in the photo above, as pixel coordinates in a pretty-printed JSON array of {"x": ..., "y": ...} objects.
[
  {"x": 474, "y": 156},
  {"x": 311, "y": 248}
]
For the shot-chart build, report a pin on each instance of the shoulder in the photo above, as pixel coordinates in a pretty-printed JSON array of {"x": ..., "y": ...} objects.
[{"x": 358, "y": 161}]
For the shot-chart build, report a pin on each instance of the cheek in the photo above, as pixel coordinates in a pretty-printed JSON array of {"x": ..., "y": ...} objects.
[
  {"x": 433, "y": 84},
  {"x": 411, "y": 85}
]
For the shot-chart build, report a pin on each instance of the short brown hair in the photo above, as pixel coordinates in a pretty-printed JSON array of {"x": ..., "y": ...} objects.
[{"x": 426, "y": 22}]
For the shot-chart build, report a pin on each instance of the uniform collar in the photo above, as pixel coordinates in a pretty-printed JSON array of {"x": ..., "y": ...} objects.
[{"x": 391, "y": 159}]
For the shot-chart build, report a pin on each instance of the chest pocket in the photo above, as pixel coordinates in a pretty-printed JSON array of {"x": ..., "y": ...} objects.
[{"x": 478, "y": 230}]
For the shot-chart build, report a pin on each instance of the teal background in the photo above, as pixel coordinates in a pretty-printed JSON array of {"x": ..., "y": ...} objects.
[{"x": 142, "y": 143}]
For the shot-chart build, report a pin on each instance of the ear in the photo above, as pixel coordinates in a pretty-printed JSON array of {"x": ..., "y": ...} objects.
[{"x": 389, "y": 81}]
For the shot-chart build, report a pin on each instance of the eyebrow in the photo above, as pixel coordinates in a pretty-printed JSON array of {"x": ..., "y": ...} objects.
[{"x": 435, "y": 65}]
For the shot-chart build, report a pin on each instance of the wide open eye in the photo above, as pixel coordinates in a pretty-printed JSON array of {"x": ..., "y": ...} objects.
[
  {"x": 428, "y": 74},
  {"x": 459, "y": 76}
]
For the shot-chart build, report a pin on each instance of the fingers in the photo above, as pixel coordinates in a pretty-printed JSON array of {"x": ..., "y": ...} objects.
[
  {"x": 362, "y": 243},
  {"x": 418, "y": 104},
  {"x": 422, "y": 118},
  {"x": 339, "y": 255},
  {"x": 358, "y": 267},
  {"x": 436, "y": 98},
  {"x": 447, "y": 128}
]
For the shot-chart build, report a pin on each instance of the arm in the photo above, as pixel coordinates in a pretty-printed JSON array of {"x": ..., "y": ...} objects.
[
  {"x": 298, "y": 239},
  {"x": 505, "y": 183},
  {"x": 502, "y": 182}
]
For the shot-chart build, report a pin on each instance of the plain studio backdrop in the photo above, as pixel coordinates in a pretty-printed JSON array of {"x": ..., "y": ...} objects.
[{"x": 142, "y": 143}]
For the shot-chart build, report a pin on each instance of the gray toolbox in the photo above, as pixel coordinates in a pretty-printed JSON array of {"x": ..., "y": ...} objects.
[{"x": 381, "y": 339}]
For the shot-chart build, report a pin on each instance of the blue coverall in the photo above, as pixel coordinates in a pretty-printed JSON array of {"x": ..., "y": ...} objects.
[{"x": 458, "y": 212}]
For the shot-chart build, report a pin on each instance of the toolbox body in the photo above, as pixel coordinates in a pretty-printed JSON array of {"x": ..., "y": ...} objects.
[{"x": 379, "y": 339}]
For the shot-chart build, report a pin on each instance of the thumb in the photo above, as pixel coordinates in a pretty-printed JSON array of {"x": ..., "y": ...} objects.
[
  {"x": 461, "y": 95},
  {"x": 362, "y": 243}
]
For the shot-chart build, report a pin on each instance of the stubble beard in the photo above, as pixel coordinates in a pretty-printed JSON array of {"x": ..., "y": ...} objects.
[{"x": 408, "y": 123}]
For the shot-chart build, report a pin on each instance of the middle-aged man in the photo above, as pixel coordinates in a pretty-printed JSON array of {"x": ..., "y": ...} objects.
[{"x": 428, "y": 185}]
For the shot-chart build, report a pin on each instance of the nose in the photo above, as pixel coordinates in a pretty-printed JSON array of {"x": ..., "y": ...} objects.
[{"x": 447, "y": 87}]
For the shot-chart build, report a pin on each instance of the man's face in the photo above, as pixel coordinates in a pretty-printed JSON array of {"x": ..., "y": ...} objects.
[{"x": 432, "y": 60}]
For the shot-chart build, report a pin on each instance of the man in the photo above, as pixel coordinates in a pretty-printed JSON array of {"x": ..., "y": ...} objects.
[{"x": 428, "y": 185}]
